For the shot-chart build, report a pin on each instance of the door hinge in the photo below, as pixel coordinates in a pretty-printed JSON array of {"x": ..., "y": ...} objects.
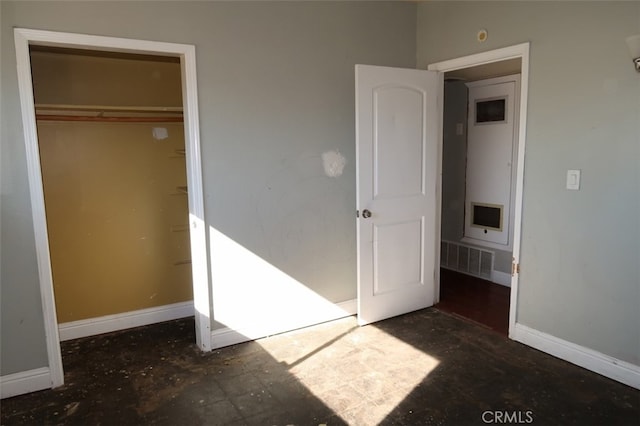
[
  {"x": 357, "y": 213},
  {"x": 515, "y": 268}
]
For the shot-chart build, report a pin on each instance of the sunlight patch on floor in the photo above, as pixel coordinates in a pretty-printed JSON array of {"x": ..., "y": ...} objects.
[{"x": 361, "y": 373}]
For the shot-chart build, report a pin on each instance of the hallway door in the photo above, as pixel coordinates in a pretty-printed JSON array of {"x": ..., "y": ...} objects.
[{"x": 397, "y": 161}]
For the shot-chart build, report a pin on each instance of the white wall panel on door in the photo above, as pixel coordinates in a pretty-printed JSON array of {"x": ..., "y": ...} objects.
[
  {"x": 397, "y": 256},
  {"x": 398, "y": 142}
]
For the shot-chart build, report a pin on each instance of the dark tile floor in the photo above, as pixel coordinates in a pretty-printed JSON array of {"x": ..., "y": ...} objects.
[
  {"x": 427, "y": 367},
  {"x": 476, "y": 299}
]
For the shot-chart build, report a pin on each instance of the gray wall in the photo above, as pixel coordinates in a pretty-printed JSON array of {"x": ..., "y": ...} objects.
[
  {"x": 454, "y": 160},
  {"x": 276, "y": 90},
  {"x": 580, "y": 259}
]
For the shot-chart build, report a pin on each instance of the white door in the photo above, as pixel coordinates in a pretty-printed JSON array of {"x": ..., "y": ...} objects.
[{"x": 397, "y": 158}]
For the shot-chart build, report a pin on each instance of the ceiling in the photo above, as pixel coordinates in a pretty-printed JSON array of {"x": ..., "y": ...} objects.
[{"x": 481, "y": 72}]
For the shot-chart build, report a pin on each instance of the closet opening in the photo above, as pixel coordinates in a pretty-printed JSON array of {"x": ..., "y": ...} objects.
[{"x": 111, "y": 142}]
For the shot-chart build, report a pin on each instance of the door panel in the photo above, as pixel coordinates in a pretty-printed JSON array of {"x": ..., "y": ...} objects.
[
  {"x": 398, "y": 141},
  {"x": 397, "y": 255},
  {"x": 396, "y": 138}
]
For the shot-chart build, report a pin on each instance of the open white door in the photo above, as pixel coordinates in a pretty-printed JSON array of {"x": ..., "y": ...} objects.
[{"x": 397, "y": 158}]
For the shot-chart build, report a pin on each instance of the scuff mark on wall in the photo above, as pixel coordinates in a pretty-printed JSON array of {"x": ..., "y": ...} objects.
[
  {"x": 302, "y": 215},
  {"x": 160, "y": 133},
  {"x": 333, "y": 163}
]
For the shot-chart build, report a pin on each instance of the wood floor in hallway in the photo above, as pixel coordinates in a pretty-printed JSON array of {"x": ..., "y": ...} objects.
[{"x": 475, "y": 299}]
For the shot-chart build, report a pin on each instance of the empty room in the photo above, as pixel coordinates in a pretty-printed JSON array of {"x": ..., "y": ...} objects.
[{"x": 320, "y": 212}]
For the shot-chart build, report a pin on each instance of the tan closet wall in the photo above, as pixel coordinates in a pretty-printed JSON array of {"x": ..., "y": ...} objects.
[
  {"x": 115, "y": 193},
  {"x": 67, "y": 76}
]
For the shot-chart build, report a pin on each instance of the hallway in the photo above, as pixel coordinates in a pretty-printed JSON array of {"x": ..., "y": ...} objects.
[{"x": 475, "y": 299}]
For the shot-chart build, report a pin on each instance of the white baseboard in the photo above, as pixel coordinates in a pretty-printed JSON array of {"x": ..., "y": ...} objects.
[
  {"x": 109, "y": 323},
  {"x": 25, "y": 382},
  {"x": 502, "y": 278},
  {"x": 610, "y": 367},
  {"x": 227, "y": 336}
]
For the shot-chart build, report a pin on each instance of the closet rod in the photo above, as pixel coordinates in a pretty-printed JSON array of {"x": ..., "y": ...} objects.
[
  {"x": 48, "y": 117},
  {"x": 117, "y": 114},
  {"x": 107, "y": 108}
]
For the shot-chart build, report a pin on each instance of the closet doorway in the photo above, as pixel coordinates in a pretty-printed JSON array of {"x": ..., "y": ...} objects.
[
  {"x": 26, "y": 41},
  {"x": 112, "y": 155}
]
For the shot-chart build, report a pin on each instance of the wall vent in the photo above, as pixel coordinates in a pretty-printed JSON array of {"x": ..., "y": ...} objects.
[{"x": 466, "y": 259}]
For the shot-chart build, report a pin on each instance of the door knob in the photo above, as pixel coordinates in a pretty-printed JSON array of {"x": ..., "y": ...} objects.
[{"x": 366, "y": 213}]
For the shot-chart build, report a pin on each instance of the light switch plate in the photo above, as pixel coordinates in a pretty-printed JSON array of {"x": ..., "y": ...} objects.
[{"x": 573, "y": 180}]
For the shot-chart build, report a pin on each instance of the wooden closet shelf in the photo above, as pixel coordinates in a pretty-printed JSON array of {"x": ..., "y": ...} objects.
[
  {"x": 108, "y": 108},
  {"x": 107, "y": 113},
  {"x": 47, "y": 117}
]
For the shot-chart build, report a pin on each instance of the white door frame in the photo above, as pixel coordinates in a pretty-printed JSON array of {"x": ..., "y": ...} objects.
[
  {"x": 512, "y": 52},
  {"x": 186, "y": 53}
]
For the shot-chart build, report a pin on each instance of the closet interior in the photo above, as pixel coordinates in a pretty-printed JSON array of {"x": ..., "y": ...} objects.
[{"x": 112, "y": 152}]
